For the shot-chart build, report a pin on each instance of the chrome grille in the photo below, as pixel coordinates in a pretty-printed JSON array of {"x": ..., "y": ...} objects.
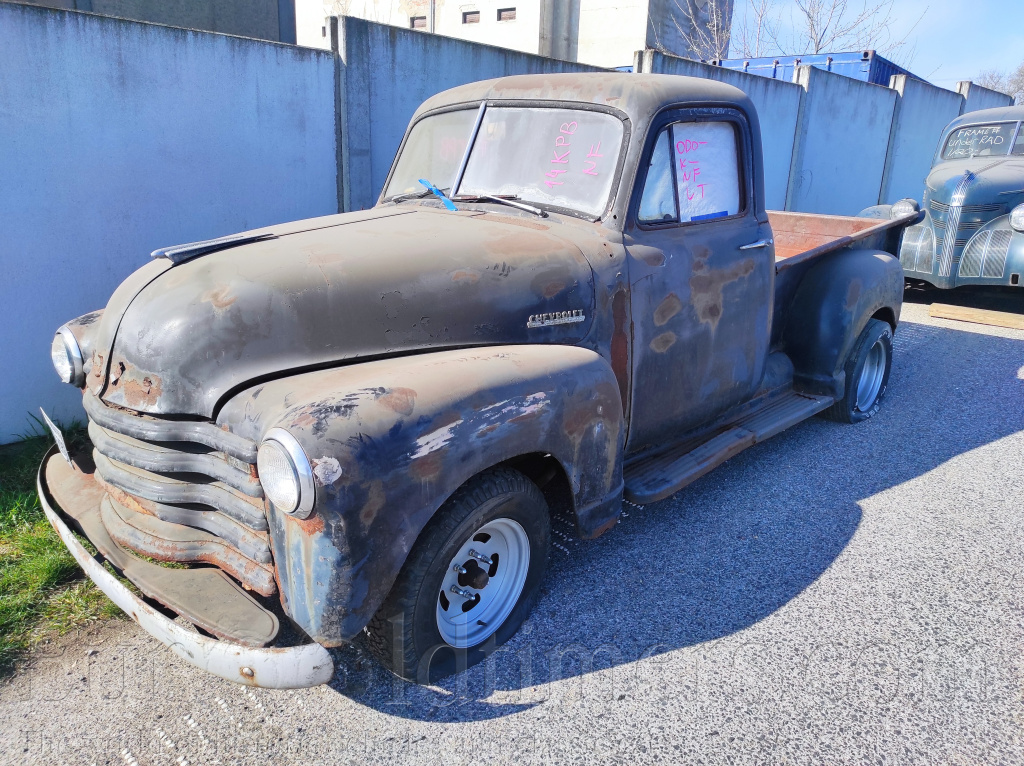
[
  {"x": 955, "y": 210},
  {"x": 963, "y": 220},
  {"x": 989, "y": 207},
  {"x": 985, "y": 255},
  {"x": 917, "y": 249},
  {"x": 182, "y": 500}
]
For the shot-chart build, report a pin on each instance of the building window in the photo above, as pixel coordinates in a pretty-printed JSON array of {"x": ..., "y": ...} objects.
[
  {"x": 506, "y": 14},
  {"x": 418, "y": 22},
  {"x": 471, "y": 17}
]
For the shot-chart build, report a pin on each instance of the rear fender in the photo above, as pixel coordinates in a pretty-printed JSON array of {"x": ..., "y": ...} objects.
[
  {"x": 830, "y": 309},
  {"x": 391, "y": 440}
]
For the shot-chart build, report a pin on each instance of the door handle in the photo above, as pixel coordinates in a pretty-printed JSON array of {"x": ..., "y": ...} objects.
[{"x": 759, "y": 243}]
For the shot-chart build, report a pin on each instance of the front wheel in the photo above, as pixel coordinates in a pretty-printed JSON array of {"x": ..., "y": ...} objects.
[
  {"x": 469, "y": 582},
  {"x": 867, "y": 374}
]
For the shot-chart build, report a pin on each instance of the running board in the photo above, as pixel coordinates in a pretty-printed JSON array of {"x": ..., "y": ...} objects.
[{"x": 655, "y": 477}]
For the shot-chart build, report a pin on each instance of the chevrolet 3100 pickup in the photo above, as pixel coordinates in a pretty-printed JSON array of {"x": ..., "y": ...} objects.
[{"x": 569, "y": 292}]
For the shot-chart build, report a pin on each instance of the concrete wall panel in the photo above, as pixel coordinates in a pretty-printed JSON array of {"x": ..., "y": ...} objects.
[
  {"x": 377, "y": 103},
  {"x": 121, "y": 137},
  {"x": 921, "y": 112},
  {"x": 777, "y": 104},
  {"x": 976, "y": 97},
  {"x": 842, "y": 139}
]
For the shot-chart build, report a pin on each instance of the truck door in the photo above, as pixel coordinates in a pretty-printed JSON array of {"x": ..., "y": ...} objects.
[{"x": 702, "y": 273}]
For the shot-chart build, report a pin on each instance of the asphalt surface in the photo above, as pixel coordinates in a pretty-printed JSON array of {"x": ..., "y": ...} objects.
[{"x": 840, "y": 594}]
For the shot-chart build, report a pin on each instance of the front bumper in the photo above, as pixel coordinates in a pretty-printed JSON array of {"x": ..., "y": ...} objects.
[{"x": 66, "y": 490}]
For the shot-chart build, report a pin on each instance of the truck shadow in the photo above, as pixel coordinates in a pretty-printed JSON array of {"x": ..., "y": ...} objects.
[
  {"x": 1008, "y": 299},
  {"x": 731, "y": 549}
]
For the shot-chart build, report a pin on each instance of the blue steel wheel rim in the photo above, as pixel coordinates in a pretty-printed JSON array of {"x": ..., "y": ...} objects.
[{"x": 483, "y": 583}]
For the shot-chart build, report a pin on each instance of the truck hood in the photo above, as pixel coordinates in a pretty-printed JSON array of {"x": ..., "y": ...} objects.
[
  {"x": 995, "y": 179},
  {"x": 329, "y": 291}
]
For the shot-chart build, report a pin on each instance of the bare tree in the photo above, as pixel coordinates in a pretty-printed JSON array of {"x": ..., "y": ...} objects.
[
  {"x": 705, "y": 27},
  {"x": 1010, "y": 83},
  {"x": 819, "y": 26},
  {"x": 758, "y": 31}
]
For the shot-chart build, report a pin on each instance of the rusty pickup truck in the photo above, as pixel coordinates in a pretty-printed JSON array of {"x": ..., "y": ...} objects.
[{"x": 569, "y": 293}]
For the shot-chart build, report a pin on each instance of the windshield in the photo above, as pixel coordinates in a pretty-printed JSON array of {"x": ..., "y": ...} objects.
[
  {"x": 560, "y": 157},
  {"x": 979, "y": 141}
]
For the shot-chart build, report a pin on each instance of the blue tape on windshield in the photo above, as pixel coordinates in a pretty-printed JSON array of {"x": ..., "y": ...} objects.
[{"x": 439, "y": 194}]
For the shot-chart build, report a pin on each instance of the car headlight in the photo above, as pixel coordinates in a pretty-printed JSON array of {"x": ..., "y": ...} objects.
[
  {"x": 1017, "y": 218},
  {"x": 285, "y": 473},
  {"x": 67, "y": 357},
  {"x": 903, "y": 208}
]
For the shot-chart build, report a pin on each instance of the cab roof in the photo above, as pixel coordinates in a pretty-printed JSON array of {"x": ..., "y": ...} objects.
[
  {"x": 999, "y": 114},
  {"x": 638, "y": 95}
]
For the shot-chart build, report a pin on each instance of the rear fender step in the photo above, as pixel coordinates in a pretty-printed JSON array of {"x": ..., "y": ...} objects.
[{"x": 655, "y": 477}]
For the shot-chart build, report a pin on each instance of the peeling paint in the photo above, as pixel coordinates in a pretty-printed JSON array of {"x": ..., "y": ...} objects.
[{"x": 326, "y": 470}]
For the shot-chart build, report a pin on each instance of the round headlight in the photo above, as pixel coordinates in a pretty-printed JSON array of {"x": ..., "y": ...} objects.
[
  {"x": 903, "y": 208},
  {"x": 67, "y": 357},
  {"x": 1017, "y": 218},
  {"x": 285, "y": 473}
]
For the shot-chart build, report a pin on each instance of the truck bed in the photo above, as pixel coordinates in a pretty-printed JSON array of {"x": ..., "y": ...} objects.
[{"x": 802, "y": 236}]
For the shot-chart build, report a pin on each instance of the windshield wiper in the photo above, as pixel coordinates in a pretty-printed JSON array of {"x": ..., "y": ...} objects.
[
  {"x": 410, "y": 195},
  {"x": 506, "y": 199}
]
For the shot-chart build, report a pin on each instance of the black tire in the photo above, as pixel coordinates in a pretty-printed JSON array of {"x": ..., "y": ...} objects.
[
  {"x": 858, "y": 364},
  {"x": 404, "y": 634}
]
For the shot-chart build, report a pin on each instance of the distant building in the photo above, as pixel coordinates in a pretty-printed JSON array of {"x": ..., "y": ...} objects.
[
  {"x": 262, "y": 19},
  {"x": 600, "y": 32}
]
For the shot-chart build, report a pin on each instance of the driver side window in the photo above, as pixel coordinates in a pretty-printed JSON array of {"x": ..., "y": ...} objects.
[{"x": 694, "y": 174}]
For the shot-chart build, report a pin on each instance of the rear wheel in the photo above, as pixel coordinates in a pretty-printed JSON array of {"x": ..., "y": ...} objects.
[
  {"x": 469, "y": 582},
  {"x": 867, "y": 374}
]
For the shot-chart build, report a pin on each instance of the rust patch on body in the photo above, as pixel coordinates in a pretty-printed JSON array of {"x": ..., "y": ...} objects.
[
  {"x": 374, "y": 502},
  {"x": 667, "y": 309},
  {"x": 141, "y": 394},
  {"x": 552, "y": 289},
  {"x": 663, "y": 342},
  {"x": 219, "y": 297},
  {"x": 465, "y": 276},
  {"x": 314, "y": 525},
  {"x": 853, "y": 294},
  {"x": 429, "y": 466},
  {"x": 400, "y": 400},
  {"x": 654, "y": 258},
  {"x": 706, "y": 288}
]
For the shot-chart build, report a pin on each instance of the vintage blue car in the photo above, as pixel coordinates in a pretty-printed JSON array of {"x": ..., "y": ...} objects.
[{"x": 973, "y": 230}]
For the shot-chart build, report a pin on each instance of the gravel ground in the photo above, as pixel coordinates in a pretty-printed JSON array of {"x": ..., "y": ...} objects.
[{"x": 840, "y": 594}]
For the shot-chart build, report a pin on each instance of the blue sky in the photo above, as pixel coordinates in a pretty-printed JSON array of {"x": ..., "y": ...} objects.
[{"x": 954, "y": 40}]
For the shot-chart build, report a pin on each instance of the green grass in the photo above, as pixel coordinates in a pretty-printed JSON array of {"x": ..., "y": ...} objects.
[{"x": 42, "y": 589}]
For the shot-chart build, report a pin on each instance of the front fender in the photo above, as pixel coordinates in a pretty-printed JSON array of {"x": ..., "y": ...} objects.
[
  {"x": 391, "y": 440},
  {"x": 875, "y": 211},
  {"x": 831, "y": 306}
]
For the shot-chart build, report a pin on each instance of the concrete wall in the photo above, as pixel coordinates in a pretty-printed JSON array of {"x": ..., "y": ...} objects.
[
  {"x": 921, "y": 112},
  {"x": 261, "y": 19},
  {"x": 376, "y": 105},
  {"x": 976, "y": 97},
  {"x": 777, "y": 104},
  {"x": 120, "y": 137},
  {"x": 842, "y": 138}
]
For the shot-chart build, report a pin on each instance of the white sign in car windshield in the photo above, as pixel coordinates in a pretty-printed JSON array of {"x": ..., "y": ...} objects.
[{"x": 707, "y": 173}]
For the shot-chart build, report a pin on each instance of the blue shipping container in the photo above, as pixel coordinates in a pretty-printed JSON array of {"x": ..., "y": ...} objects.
[{"x": 866, "y": 66}]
